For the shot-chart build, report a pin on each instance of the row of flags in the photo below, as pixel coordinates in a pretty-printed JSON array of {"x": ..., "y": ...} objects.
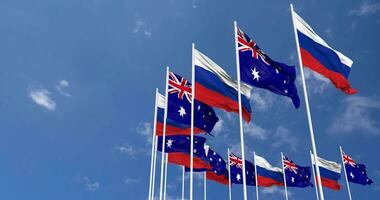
[
  {"x": 214, "y": 88},
  {"x": 207, "y": 160}
]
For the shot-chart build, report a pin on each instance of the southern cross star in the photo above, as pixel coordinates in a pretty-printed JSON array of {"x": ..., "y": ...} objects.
[
  {"x": 169, "y": 143},
  {"x": 255, "y": 74},
  {"x": 182, "y": 111}
]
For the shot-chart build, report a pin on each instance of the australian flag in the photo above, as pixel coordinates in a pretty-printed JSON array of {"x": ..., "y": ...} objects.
[
  {"x": 178, "y": 149},
  {"x": 296, "y": 176},
  {"x": 356, "y": 173},
  {"x": 258, "y": 70},
  {"x": 179, "y": 105},
  {"x": 236, "y": 170}
]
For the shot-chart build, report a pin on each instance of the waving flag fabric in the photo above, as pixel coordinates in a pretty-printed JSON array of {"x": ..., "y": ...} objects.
[
  {"x": 356, "y": 173},
  {"x": 236, "y": 168},
  {"x": 216, "y": 88},
  {"x": 330, "y": 173},
  {"x": 218, "y": 171},
  {"x": 257, "y": 69},
  {"x": 317, "y": 55},
  {"x": 179, "y": 105},
  {"x": 172, "y": 127},
  {"x": 296, "y": 176},
  {"x": 178, "y": 149},
  {"x": 267, "y": 175}
]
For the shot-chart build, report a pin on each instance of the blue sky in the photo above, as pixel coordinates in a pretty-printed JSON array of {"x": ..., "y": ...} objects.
[{"x": 78, "y": 78}]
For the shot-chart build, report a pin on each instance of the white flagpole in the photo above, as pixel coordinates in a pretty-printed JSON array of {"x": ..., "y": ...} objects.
[
  {"x": 240, "y": 113},
  {"x": 163, "y": 134},
  {"x": 166, "y": 174},
  {"x": 153, "y": 143},
  {"x": 183, "y": 182},
  {"x": 229, "y": 174},
  {"x": 314, "y": 177},
  {"x": 204, "y": 186},
  {"x": 192, "y": 121},
  {"x": 283, "y": 172},
  {"x": 256, "y": 180},
  {"x": 345, "y": 173},
  {"x": 314, "y": 148},
  {"x": 154, "y": 165}
]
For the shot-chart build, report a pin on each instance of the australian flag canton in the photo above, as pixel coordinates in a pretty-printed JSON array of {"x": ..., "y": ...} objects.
[
  {"x": 179, "y": 105},
  {"x": 236, "y": 170},
  {"x": 296, "y": 176},
  {"x": 257, "y": 69},
  {"x": 356, "y": 173}
]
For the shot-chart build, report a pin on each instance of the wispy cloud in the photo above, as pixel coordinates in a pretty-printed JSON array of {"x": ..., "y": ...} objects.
[
  {"x": 145, "y": 129},
  {"x": 127, "y": 149},
  {"x": 62, "y": 85},
  {"x": 130, "y": 180},
  {"x": 283, "y": 136},
  {"x": 262, "y": 100},
  {"x": 316, "y": 83},
  {"x": 194, "y": 4},
  {"x": 141, "y": 27},
  {"x": 91, "y": 185},
  {"x": 41, "y": 97},
  {"x": 275, "y": 191},
  {"x": 356, "y": 116},
  {"x": 256, "y": 131},
  {"x": 218, "y": 128},
  {"x": 366, "y": 8}
]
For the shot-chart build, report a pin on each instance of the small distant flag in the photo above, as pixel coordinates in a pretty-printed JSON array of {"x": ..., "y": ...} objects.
[
  {"x": 330, "y": 172},
  {"x": 172, "y": 127},
  {"x": 179, "y": 105},
  {"x": 317, "y": 55},
  {"x": 356, "y": 173},
  {"x": 178, "y": 149},
  {"x": 216, "y": 88},
  {"x": 296, "y": 176},
  {"x": 236, "y": 165},
  {"x": 257, "y": 69},
  {"x": 267, "y": 175}
]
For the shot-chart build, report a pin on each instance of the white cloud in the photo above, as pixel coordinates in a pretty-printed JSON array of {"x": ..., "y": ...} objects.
[
  {"x": 129, "y": 180},
  {"x": 145, "y": 129},
  {"x": 194, "y": 4},
  {"x": 127, "y": 149},
  {"x": 91, "y": 185},
  {"x": 315, "y": 82},
  {"x": 41, "y": 97},
  {"x": 261, "y": 100},
  {"x": 256, "y": 131},
  {"x": 141, "y": 27},
  {"x": 274, "y": 191},
  {"x": 366, "y": 8},
  {"x": 356, "y": 116},
  {"x": 283, "y": 137},
  {"x": 62, "y": 84},
  {"x": 218, "y": 128}
]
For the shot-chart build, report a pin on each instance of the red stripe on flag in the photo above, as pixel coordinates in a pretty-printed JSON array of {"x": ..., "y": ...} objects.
[
  {"x": 268, "y": 182},
  {"x": 184, "y": 160},
  {"x": 172, "y": 130},
  {"x": 217, "y": 178}
]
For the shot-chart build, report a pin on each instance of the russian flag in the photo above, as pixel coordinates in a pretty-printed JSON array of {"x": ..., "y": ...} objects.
[
  {"x": 213, "y": 86},
  {"x": 267, "y": 175},
  {"x": 172, "y": 127},
  {"x": 330, "y": 173},
  {"x": 317, "y": 55}
]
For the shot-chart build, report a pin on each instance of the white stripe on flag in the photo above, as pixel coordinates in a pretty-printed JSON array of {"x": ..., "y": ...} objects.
[
  {"x": 161, "y": 101},
  {"x": 330, "y": 165},
  {"x": 262, "y": 162},
  {"x": 306, "y": 29}
]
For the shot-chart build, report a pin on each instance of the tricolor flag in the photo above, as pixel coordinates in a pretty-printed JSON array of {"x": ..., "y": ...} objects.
[
  {"x": 317, "y": 55},
  {"x": 172, "y": 127},
  {"x": 179, "y": 105},
  {"x": 330, "y": 172},
  {"x": 267, "y": 175},
  {"x": 259, "y": 70},
  {"x": 216, "y": 88},
  {"x": 356, "y": 173},
  {"x": 178, "y": 149}
]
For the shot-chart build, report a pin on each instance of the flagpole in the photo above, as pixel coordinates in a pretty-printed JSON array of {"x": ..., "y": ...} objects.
[
  {"x": 283, "y": 172},
  {"x": 164, "y": 133},
  {"x": 204, "y": 186},
  {"x": 314, "y": 177},
  {"x": 314, "y": 148},
  {"x": 256, "y": 180},
  {"x": 229, "y": 174},
  {"x": 154, "y": 165},
  {"x": 153, "y": 141},
  {"x": 183, "y": 182},
  {"x": 345, "y": 173},
  {"x": 240, "y": 113},
  {"x": 192, "y": 121},
  {"x": 166, "y": 174}
]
